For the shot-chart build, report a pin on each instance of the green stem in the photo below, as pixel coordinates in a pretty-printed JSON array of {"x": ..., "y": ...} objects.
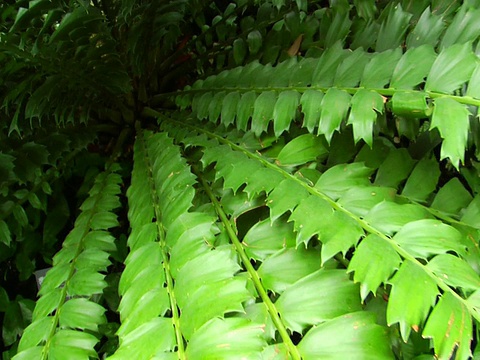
[{"x": 292, "y": 349}]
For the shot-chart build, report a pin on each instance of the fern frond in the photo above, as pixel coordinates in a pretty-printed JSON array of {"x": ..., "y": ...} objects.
[{"x": 66, "y": 318}]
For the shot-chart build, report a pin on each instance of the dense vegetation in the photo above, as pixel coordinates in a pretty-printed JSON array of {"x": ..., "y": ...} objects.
[{"x": 246, "y": 180}]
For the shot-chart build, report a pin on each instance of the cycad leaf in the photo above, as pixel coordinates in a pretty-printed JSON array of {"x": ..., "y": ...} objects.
[
  {"x": 452, "y": 197},
  {"x": 231, "y": 338},
  {"x": 350, "y": 71},
  {"x": 452, "y": 68},
  {"x": 455, "y": 272},
  {"x": 209, "y": 267},
  {"x": 267, "y": 237},
  {"x": 464, "y": 27},
  {"x": 379, "y": 69},
  {"x": 361, "y": 338},
  {"x": 311, "y": 107},
  {"x": 383, "y": 260},
  {"x": 82, "y": 314},
  {"x": 158, "y": 333},
  {"x": 359, "y": 200},
  {"x": 287, "y": 266},
  {"x": 365, "y": 105},
  {"x": 452, "y": 121},
  {"x": 395, "y": 168},
  {"x": 310, "y": 217},
  {"x": 245, "y": 109},
  {"x": 335, "y": 105},
  {"x": 229, "y": 107},
  {"x": 413, "y": 67},
  {"x": 424, "y": 238},
  {"x": 410, "y": 301},
  {"x": 213, "y": 299},
  {"x": 263, "y": 111},
  {"x": 422, "y": 181},
  {"x": 389, "y": 217},
  {"x": 450, "y": 327},
  {"x": 340, "y": 178},
  {"x": 427, "y": 30},
  {"x": 320, "y": 296},
  {"x": 302, "y": 149},
  {"x": 285, "y": 110},
  {"x": 70, "y": 344},
  {"x": 392, "y": 30},
  {"x": 285, "y": 197},
  {"x": 472, "y": 213}
]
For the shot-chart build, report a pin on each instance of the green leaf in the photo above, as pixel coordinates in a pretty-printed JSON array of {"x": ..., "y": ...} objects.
[
  {"x": 452, "y": 121},
  {"x": 20, "y": 215},
  {"x": 311, "y": 107},
  {"x": 363, "y": 115},
  {"x": 350, "y": 71},
  {"x": 450, "y": 327},
  {"x": 452, "y": 197},
  {"x": 380, "y": 68},
  {"x": 454, "y": 272},
  {"x": 427, "y": 30},
  {"x": 231, "y": 338},
  {"x": 472, "y": 213},
  {"x": 422, "y": 181},
  {"x": 229, "y": 107},
  {"x": 86, "y": 282},
  {"x": 263, "y": 111},
  {"x": 158, "y": 333},
  {"x": 5, "y": 236},
  {"x": 103, "y": 220},
  {"x": 337, "y": 180},
  {"x": 410, "y": 301},
  {"x": 267, "y": 237},
  {"x": 382, "y": 261},
  {"x": 72, "y": 345},
  {"x": 359, "y": 200},
  {"x": 285, "y": 197},
  {"x": 361, "y": 338},
  {"x": 37, "y": 332},
  {"x": 307, "y": 215},
  {"x": 464, "y": 27},
  {"x": 285, "y": 110},
  {"x": 473, "y": 89},
  {"x": 334, "y": 109},
  {"x": 320, "y": 296},
  {"x": 245, "y": 109},
  {"x": 327, "y": 64},
  {"x": 82, "y": 314},
  {"x": 393, "y": 28},
  {"x": 395, "y": 168},
  {"x": 413, "y": 67},
  {"x": 239, "y": 51},
  {"x": 424, "y": 238},
  {"x": 207, "y": 268},
  {"x": 452, "y": 68},
  {"x": 287, "y": 266},
  {"x": 254, "y": 41},
  {"x": 212, "y": 300},
  {"x": 389, "y": 217},
  {"x": 302, "y": 149}
]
